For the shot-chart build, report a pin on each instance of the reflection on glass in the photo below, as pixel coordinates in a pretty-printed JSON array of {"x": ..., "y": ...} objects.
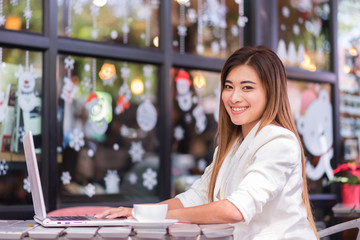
[
  {"x": 108, "y": 150},
  {"x": 20, "y": 111},
  {"x": 312, "y": 108},
  {"x": 208, "y": 28},
  {"x": 21, "y": 15},
  {"x": 304, "y": 34},
  {"x": 195, "y": 115},
  {"x": 131, "y": 22},
  {"x": 349, "y": 79}
]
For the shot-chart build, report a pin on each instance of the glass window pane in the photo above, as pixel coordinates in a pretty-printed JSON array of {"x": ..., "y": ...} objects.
[
  {"x": 304, "y": 34},
  {"x": 312, "y": 108},
  {"x": 195, "y": 114},
  {"x": 26, "y": 15},
  {"x": 128, "y": 22},
  {"x": 208, "y": 28},
  {"x": 349, "y": 79},
  {"x": 20, "y": 111},
  {"x": 107, "y": 112}
]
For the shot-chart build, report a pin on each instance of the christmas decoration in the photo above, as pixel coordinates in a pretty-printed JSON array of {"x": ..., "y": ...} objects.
[
  {"x": 2, "y": 17},
  {"x": 149, "y": 179},
  {"x": 132, "y": 178},
  {"x": 90, "y": 190},
  {"x": 27, "y": 187},
  {"x": 123, "y": 101},
  {"x": 112, "y": 182},
  {"x": 76, "y": 139},
  {"x": 146, "y": 115},
  {"x": 136, "y": 152},
  {"x": 184, "y": 95},
  {"x": 65, "y": 178},
  {"x": 26, "y": 86},
  {"x": 179, "y": 133},
  {"x": 108, "y": 74},
  {"x": 4, "y": 167}
]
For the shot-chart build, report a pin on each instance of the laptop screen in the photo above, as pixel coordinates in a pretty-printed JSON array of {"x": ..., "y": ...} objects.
[{"x": 34, "y": 176}]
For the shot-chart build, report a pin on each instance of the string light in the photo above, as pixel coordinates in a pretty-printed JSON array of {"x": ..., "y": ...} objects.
[{"x": 137, "y": 86}]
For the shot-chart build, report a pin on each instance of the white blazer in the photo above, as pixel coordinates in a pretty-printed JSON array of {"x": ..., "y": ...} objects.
[{"x": 262, "y": 177}]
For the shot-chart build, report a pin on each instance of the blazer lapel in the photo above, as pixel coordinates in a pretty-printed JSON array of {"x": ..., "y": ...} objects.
[{"x": 236, "y": 156}]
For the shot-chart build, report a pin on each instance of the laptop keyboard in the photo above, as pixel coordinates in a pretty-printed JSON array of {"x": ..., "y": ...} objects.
[{"x": 67, "y": 218}]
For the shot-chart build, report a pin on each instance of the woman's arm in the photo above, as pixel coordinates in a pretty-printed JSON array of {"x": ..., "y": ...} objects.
[
  {"x": 222, "y": 211},
  {"x": 172, "y": 203}
]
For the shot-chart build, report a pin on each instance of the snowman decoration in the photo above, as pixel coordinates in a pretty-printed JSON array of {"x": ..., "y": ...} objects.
[
  {"x": 97, "y": 120},
  {"x": 26, "y": 86},
  {"x": 184, "y": 95},
  {"x": 315, "y": 125}
]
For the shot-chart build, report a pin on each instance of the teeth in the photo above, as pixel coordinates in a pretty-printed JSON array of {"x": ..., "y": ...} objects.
[{"x": 238, "y": 109}]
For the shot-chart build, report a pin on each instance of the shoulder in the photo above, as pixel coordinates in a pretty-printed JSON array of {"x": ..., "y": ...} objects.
[{"x": 279, "y": 135}]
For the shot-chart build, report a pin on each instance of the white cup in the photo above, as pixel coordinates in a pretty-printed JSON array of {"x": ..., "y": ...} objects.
[{"x": 149, "y": 212}]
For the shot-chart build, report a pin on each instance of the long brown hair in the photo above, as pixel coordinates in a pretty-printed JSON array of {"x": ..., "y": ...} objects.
[{"x": 272, "y": 73}]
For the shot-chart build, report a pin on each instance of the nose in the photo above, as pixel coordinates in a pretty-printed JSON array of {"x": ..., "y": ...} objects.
[{"x": 236, "y": 96}]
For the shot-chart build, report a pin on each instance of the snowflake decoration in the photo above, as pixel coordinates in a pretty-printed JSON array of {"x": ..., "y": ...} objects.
[
  {"x": 132, "y": 178},
  {"x": 125, "y": 72},
  {"x": 3, "y": 167},
  {"x": 78, "y": 7},
  {"x": 112, "y": 181},
  {"x": 65, "y": 178},
  {"x": 179, "y": 133},
  {"x": 147, "y": 70},
  {"x": 149, "y": 179},
  {"x": 90, "y": 190},
  {"x": 191, "y": 15},
  {"x": 27, "y": 186},
  {"x": 136, "y": 151},
  {"x": 76, "y": 139},
  {"x": 69, "y": 63},
  {"x": 2, "y": 20},
  {"x": 21, "y": 133},
  {"x": 86, "y": 84}
]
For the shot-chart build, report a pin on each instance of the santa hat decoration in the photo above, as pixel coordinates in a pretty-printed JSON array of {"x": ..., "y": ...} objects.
[
  {"x": 183, "y": 75},
  {"x": 307, "y": 97},
  {"x": 92, "y": 96}
]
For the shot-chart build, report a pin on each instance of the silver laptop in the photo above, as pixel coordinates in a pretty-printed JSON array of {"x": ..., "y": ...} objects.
[{"x": 38, "y": 198}]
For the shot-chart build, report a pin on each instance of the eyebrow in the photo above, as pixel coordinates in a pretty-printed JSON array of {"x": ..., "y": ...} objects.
[{"x": 242, "y": 82}]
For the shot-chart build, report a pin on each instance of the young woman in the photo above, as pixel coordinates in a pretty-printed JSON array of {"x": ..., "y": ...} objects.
[{"x": 257, "y": 178}]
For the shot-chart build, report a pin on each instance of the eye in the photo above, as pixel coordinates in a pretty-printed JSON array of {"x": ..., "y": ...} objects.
[
  {"x": 248, "y": 87},
  {"x": 227, "y": 86}
]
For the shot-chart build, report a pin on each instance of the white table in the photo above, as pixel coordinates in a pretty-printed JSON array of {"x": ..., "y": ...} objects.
[{"x": 28, "y": 229}]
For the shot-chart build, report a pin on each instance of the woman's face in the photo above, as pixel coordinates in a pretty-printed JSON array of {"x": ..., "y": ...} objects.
[{"x": 244, "y": 97}]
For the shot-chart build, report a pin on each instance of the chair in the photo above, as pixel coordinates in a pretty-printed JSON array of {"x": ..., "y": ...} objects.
[{"x": 340, "y": 228}]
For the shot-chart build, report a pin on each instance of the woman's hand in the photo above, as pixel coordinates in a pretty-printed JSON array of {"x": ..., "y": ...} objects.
[{"x": 115, "y": 213}]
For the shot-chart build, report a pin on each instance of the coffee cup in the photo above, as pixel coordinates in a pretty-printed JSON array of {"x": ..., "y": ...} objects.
[{"x": 149, "y": 212}]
